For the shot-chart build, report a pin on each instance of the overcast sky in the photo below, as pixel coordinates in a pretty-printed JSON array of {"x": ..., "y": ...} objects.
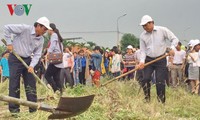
[{"x": 83, "y": 18}]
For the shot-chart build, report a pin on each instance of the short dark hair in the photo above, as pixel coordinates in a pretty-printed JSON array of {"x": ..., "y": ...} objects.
[
  {"x": 36, "y": 23},
  {"x": 5, "y": 53},
  {"x": 179, "y": 43},
  {"x": 81, "y": 51},
  {"x": 97, "y": 48},
  {"x": 101, "y": 51},
  {"x": 115, "y": 50}
]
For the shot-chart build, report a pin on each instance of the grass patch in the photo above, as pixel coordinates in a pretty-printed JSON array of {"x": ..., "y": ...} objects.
[{"x": 118, "y": 101}]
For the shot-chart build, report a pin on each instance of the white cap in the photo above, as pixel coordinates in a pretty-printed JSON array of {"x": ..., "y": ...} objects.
[
  {"x": 44, "y": 21},
  {"x": 145, "y": 19},
  {"x": 190, "y": 42},
  {"x": 194, "y": 43},
  {"x": 129, "y": 47}
]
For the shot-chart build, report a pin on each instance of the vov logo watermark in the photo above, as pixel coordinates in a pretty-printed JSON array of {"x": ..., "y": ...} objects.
[{"x": 19, "y": 10}]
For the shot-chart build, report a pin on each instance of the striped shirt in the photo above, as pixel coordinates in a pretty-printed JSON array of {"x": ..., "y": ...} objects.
[
  {"x": 25, "y": 42},
  {"x": 129, "y": 58}
]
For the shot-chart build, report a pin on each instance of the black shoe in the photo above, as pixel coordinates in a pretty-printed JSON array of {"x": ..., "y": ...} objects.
[
  {"x": 32, "y": 110},
  {"x": 161, "y": 99}
]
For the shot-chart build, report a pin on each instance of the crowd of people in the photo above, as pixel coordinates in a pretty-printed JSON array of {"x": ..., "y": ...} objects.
[{"x": 180, "y": 67}]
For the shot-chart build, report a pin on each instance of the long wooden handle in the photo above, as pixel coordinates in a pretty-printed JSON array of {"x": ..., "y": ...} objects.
[
  {"x": 39, "y": 106},
  {"x": 146, "y": 64},
  {"x": 26, "y": 103},
  {"x": 22, "y": 61}
]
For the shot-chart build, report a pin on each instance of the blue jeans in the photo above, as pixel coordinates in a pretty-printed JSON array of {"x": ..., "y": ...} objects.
[{"x": 76, "y": 77}]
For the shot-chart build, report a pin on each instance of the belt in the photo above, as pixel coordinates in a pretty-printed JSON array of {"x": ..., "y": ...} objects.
[
  {"x": 21, "y": 56},
  {"x": 177, "y": 63},
  {"x": 155, "y": 57}
]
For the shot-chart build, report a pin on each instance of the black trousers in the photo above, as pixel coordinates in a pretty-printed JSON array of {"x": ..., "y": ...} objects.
[
  {"x": 161, "y": 75},
  {"x": 82, "y": 76},
  {"x": 16, "y": 70},
  {"x": 52, "y": 76},
  {"x": 140, "y": 75}
]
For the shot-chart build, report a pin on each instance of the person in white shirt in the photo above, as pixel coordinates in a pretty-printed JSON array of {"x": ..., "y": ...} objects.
[
  {"x": 153, "y": 44},
  {"x": 67, "y": 71},
  {"x": 193, "y": 70},
  {"x": 116, "y": 60},
  {"x": 177, "y": 65}
]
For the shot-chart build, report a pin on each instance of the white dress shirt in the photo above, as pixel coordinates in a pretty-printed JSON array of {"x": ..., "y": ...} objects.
[
  {"x": 154, "y": 44},
  {"x": 179, "y": 57}
]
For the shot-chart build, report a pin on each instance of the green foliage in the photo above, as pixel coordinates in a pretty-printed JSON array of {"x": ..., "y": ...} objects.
[
  {"x": 129, "y": 39},
  {"x": 2, "y": 49},
  {"x": 81, "y": 45},
  {"x": 91, "y": 44},
  {"x": 46, "y": 40},
  {"x": 66, "y": 43}
]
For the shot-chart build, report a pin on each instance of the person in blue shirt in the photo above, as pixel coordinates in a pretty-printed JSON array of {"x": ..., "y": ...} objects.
[
  {"x": 83, "y": 66},
  {"x": 4, "y": 68},
  {"x": 96, "y": 57},
  {"x": 77, "y": 68},
  {"x": 28, "y": 40}
]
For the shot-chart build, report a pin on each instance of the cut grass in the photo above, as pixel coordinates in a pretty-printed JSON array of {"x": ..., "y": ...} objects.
[{"x": 119, "y": 100}]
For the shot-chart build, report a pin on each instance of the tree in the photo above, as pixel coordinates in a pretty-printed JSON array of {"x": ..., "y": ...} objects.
[
  {"x": 81, "y": 45},
  {"x": 129, "y": 39},
  {"x": 46, "y": 40},
  {"x": 67, "y": 43},
  {"x": 2, "y": 49},
  {"x": 91, "y": 44}
]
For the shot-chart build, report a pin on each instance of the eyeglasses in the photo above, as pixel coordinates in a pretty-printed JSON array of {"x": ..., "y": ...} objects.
[
  {"x": 146, "y": 24},
  {"x": 44, "y": 28}
]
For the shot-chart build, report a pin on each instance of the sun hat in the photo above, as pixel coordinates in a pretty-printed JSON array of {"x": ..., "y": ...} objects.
[
  {"x": 194, "y": 43},
  {"x": 190, "y": 43},
  {"x": 44, "y": 21},
  {"x": 145, "y": 19}
]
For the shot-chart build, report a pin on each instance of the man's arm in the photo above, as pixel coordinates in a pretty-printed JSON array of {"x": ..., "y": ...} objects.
[
  {"x": 170, "y": 36},
  {"x": 11, "y": 29},
  {"x": 142, "y": 54},
  {"x": 37, "y": 54}
]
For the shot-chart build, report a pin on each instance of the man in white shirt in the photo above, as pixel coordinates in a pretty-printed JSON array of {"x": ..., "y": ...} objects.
[
  {"x": 67, "y": 72},
  {"x": 153, "y": 45},
  {"x": 140, "y": 73},
  {"x": 178, "y": 65}
]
